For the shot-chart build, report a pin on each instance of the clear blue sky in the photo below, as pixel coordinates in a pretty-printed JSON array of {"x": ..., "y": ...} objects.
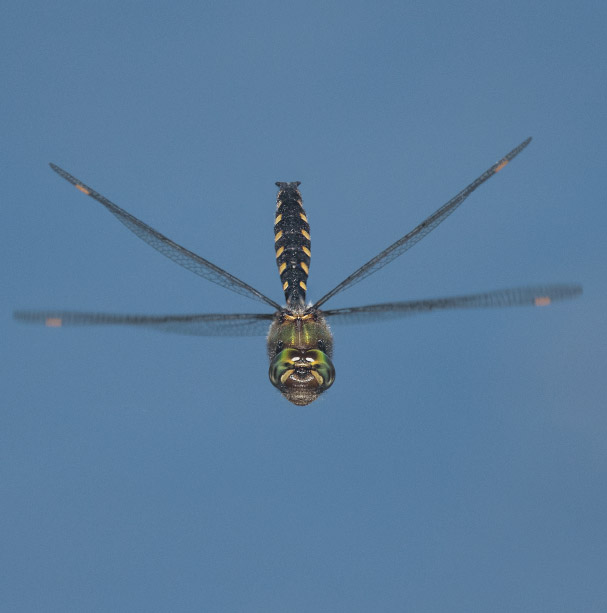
[{"x": 459, "y": 462}]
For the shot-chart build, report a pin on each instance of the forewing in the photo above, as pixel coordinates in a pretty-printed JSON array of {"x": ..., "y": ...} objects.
[
  {"x": 167, "y": 247},
  {"x": 208, "y": 324},
  {"x": 424, "y": 228},
  {"x": 540, "y": 295}
]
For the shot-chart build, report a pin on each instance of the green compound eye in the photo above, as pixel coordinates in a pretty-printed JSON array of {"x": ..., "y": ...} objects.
[
  {"x": 320, "y": 362},
  {"x": 296, "y": 367}
]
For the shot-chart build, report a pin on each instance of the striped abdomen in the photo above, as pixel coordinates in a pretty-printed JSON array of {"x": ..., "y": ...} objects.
[{"x": 292, "y": 243}]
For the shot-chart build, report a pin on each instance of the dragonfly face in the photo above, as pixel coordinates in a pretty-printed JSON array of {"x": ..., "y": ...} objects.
[
  {"x": 300, "y": 344},
  {"x": 300, "y": 347}
]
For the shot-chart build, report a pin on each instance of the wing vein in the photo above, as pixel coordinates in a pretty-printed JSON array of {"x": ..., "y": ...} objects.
[
  {"x": 182, "y": 256},
  {"x": 423, "y": 229},
  {"x": 207, "y": 324},
  {"x": 538, "y": 295}
]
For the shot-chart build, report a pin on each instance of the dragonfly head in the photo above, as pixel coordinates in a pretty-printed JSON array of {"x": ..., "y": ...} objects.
[{"x": 302, "y": 375}]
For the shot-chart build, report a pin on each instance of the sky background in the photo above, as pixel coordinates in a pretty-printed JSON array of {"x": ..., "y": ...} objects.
[{"x": 459, "y": 462}]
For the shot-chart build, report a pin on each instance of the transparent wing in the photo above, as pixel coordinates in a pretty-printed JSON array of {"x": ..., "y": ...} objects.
[
  {"x": 424, "y": 228},
  {"x": 167, "y": 247},
  {"x": 208, "y": 324},
  {"x": 540, "y": 295}
]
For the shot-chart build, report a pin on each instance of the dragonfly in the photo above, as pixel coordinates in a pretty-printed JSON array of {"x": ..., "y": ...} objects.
[{"x": 299, "y": 339}]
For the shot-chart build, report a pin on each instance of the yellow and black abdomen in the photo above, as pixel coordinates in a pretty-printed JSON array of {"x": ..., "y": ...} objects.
[{"x": 292, "y": 243}]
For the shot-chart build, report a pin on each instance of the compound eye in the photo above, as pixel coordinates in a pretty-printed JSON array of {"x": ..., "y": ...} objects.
[
  {"x": 282, "y": 365},
  {"x": 323, "y": 365}
]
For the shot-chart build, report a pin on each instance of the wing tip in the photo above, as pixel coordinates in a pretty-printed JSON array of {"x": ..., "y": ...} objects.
[
  {"x": 70, "y": 179},
  {"x": 557, "y": 293},
  {"x": 574, "y": 289},
  {"x": 48, "y": 319},
  {"x": 510, "y": 156}
]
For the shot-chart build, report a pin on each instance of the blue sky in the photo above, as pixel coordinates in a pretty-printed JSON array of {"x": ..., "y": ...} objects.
[{"x": 459, "y": 461}]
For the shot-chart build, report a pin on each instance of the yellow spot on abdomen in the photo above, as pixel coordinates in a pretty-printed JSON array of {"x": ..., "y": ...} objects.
[
  {"x": 304, "y": 267},
  {"x": 279, "y": 252},
  {"x": 285, "y": 285},
  {"x": 303, "y": 217},
  {"x": 542, "y": 301},
  {"x": 501, "y": 165},
  {"x": 278, "y": 236},
  {"x": 83, "y": 189},
  {"x": 282, "y": 268},
  {"x": 303, "y": 286},
  {"x": 307, "y": 252},
  {"x": 305, "y": 234},
  {"x": 278, "y": 218},
  {"x": 53, "y": 322}
]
